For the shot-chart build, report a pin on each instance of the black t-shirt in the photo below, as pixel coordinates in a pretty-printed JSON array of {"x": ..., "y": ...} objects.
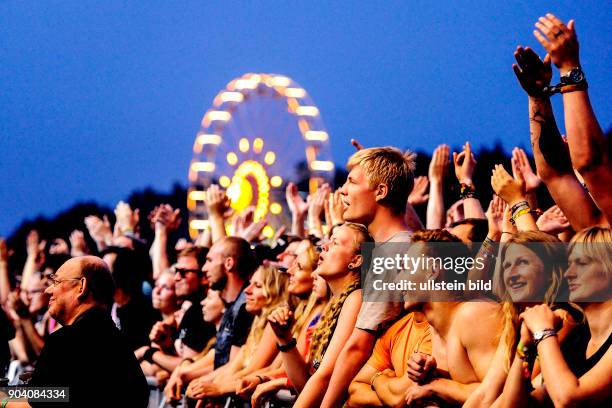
[
  {"x": 136, "y": 319},
  {"x": 91, "y": 358},
  {"x": 194, "y": 331},
  {"x": 7, "y": 332}
]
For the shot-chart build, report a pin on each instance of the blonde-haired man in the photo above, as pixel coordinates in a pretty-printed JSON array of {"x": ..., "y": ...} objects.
[{"x": 375, "y": 194}]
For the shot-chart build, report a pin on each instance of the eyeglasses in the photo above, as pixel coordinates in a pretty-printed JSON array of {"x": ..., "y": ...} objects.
[
  {"x": 183, "y": 271},
  {"x": 55, "y": 281}
]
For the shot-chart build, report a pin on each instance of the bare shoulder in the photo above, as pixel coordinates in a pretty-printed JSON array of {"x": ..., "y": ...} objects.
[{"x": 485, "y": 314}]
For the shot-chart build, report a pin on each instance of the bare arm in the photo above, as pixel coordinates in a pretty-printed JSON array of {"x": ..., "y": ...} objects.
[
  {"x": 587, "y": 143},
  {"x": 437, "y": 170},
  {"x": 360, "y": 391},
  {"x": 336, "y": 357},
  {"x": 550, "y": 152}
]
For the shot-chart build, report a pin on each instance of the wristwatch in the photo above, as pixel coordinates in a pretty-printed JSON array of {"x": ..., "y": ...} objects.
[
  {"x": 541, "y": 335},
  {"x": 575, "y": 76}
]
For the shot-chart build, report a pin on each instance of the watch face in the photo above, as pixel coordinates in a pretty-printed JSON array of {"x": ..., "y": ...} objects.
[{"x": 576, "y": 76}]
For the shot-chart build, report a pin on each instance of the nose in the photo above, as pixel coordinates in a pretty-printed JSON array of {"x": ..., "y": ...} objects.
[
  {"x": 512, "y": 274},
  {"x": 249, "y": 289},
  {"x": 325, "y": 247},
  {"x": 570, "y": 273},
  {"x": 203, "y": 302},
  {"x": 343, "y": 189},
  {"x": 49, "y": 290}
]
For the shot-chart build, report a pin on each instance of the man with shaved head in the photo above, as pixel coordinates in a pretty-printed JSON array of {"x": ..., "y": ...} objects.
[{"x": 88, "y": 354}]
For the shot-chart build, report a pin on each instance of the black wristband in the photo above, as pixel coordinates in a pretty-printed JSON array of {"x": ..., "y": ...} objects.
[
  {"x": 148, "y": 355},
  {"x": 286, "y": 347}
]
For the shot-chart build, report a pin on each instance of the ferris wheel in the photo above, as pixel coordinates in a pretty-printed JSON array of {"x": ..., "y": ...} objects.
[{"x": 261, "y": 132}]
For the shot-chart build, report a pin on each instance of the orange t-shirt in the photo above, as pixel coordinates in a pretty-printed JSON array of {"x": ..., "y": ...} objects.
[{"x": 393, "y": 349}]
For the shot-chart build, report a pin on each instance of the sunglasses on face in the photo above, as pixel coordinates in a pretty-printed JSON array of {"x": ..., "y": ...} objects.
[{"x": 184, "y": 271}]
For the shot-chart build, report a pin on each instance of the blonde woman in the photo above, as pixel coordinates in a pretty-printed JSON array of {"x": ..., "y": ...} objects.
[
  {"x": 339, "y": 265},
  {"x": 308, "y": 313},
  {"x": 266, "y": 291},
  {"x": 589, "y": 383}
]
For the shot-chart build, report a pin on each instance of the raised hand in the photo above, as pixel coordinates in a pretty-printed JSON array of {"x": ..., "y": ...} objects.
[
  {"x": 317, "y": 201},
  {"x": 510, "y": 189},
  {"x": 336, "y": 208},
  {"x": 281, "y": 320},
  {"x": 356, "y": 144},
  {"x": 465, "y": 163},
  {"x": 127, "y": 219},
  {"x": 295, "y": 202},
  {"x": 495, "y": 217},
  {"x": 533, "y": 73},
  {"x": 521, "y": 163},
  {"x": 99, "y": 230},
  {"x": 59, "y": 246},
  {"x": 34, "y": 245},
  {"x": 78, "y": 245},
  {"x": 419, "y": 195},
  {"x": 559, "y": 41},
  {"x": 438, "y": 166},
  {"x": 217, "y": 201},
  {"x": 4, "y": 254},
  {"x": 553, "y": 221}
]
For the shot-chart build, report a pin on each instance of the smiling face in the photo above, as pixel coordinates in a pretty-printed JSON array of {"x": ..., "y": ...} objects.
[
  {"x": 187, "y": 278},
  {"x": 255, "y": 294},
  {"x": 523, "y": 274},
  {"x": 64, "y": 290},
  {"x": 358, "y": 198},
  {"x": 300, "y": 279},
  {"x": 587, "y": 278},
  {"x": 164, "y": 295}
]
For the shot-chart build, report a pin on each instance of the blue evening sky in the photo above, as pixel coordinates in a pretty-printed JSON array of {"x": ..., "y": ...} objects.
[{"x": 99, "y": 98}]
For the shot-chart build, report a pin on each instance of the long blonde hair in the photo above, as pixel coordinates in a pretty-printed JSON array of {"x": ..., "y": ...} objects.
[
  {"x": 303, "y": 307},
  {"x": 275, "y": 291},
  {"x": 329, "y": 319},
  {"x": 554, "y": 258}
]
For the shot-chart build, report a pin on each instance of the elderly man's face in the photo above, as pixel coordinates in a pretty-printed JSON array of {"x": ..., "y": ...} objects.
[{"x": 64, "y": 289}]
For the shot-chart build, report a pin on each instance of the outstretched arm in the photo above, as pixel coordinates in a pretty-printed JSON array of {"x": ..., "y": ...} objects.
[
  {"x": 587, "y": 143},
  {"x": 550, "y": 152}
]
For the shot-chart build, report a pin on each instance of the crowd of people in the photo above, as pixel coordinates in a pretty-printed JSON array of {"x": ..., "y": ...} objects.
[{"x": 235, "y": 319}]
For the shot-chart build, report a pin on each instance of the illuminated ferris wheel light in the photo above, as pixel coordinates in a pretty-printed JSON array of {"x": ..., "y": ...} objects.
[
  {"x": 209, "y": 139},
  {"x": 224, "y": 181},
  {"x": 295, "y": 92},
  {"x": 211, "y": 116},
  {"x": 307, "y": 111},
  {"x": 268, "y": 231},
  {"x": 316, "y": 135},
  {"x": 232, "y": 158},
  {"x": 197, "y": 195},
  {"x": 258, "y": 144},
  {"x": 199, "y": 224},
  {"x": 246, "y": 84},
  {"x": 280, "y": 80},
  {"x": 243, "y": 145},
  {"x": 276, "y": 181},
  {"x": 276, "y": 208},
  {"x": 231, "y": 96},
  {"x": 322, "y": 165},
  {"x": 203, "y": 166},
  {"x": 270, "y": 158}
]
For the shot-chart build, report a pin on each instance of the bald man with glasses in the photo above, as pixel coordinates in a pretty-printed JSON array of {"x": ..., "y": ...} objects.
[{"x": 88, "y": 354}]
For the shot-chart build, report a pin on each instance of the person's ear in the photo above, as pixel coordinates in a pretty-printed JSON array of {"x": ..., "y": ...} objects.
[
  {"x": 229, "y": 263},
  {"x": 356, "y": 262},
  {"x": 381, "y": 191},
  {"x": 83, "y": 289}
]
